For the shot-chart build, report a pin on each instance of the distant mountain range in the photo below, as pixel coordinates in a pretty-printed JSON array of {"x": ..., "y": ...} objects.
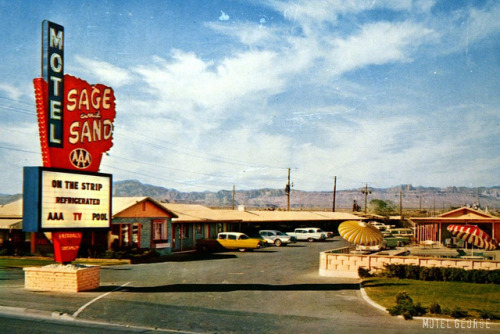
[
  {"x": 425, "y": 198},
  {"x": 4, "y": 199}
]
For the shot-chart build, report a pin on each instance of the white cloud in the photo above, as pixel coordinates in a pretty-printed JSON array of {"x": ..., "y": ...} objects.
[
  {"x": 223, "y": 16},
  {"x": 483, "y": 23},
  {"x": 12, "y": 92},
  {"x": 104, "y": 72},
  {"x": 376, "y": 44},
  {"x": 186, "y": 81},
  {"x": 315, "y": 12},
  {"x": 249, "y": 34}
]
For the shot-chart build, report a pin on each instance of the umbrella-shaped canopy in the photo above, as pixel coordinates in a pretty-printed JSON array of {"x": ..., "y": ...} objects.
[
  {"x": 360, "y": 233},
  {"x": 473, "y": 235}
]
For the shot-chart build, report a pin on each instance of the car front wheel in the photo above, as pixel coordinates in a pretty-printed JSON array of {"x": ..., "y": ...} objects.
[
  {"x": 310, "y": 239},
  {"x": 278, "y": 242}
]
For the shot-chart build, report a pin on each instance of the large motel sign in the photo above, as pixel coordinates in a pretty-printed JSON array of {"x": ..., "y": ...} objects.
[{"x": 75, "y": 119}]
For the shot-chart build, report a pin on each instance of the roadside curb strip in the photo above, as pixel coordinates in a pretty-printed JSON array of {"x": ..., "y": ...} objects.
[
  {"x": 21, "y": 311},
  {"x": 368, "y": 299}
]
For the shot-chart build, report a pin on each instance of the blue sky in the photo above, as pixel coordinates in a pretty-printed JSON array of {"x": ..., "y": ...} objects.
[{"x": 212, "y": 94}]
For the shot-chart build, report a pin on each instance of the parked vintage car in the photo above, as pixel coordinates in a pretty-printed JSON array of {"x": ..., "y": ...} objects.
[
  {"x": 402, "y": 232},
  {"x": 238, "y": 240},
  {"x": 389, "y": 241},
  {"x": 392, "y": 240},
  {"x": 380, "y": 226},
  {"x": 277, "y": 238},
  {"x": 308, "y": 234}
]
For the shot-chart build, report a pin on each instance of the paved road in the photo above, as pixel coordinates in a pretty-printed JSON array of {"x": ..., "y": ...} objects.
[{"x": 273, "y": 290}]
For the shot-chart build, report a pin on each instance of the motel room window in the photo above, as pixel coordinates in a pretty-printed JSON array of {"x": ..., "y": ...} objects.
[
  {"x": 126, "y": 235},
  {"x": 199, "y": 229},
  {"x": 159, "y": 230},
  {"x": 185, "y": 232}
]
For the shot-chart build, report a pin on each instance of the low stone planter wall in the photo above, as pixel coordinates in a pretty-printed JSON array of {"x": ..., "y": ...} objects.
[
  {"x": 62, "y": 278},
  {"x": 335, "y": 264}
]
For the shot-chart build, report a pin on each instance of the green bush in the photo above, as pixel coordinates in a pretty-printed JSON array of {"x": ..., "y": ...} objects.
[
  {"x": 480, "y": 276},
  {"x": 413, "y": 272},
  {"x": 435, "y": 308},
  {"x": 494, "y": 276},
  {"x": 403, "y": 297},
  {"x": 405, "y": 307},
  {"x": 403, "y": 271},
  {"x": 395, "y": 270},
  {"x": 458, "y": 313},
  {"x": 488, "y": 315},
  {"x": 364, "y": 273},
  {"x": 425, "y": 274}
]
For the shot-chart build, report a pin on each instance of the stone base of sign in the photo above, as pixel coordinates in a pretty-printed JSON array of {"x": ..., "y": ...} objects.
[{"x": 59, "y": 278}]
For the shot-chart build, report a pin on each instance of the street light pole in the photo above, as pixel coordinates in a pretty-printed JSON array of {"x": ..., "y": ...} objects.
[
  {"x": 366, "y": 192},
  {"x": 287, "y": 191},
  {"x": 334, "y": 192}
]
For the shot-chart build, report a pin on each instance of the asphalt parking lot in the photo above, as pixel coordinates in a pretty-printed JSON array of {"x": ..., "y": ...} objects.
[{"x": 271, "y": 290}]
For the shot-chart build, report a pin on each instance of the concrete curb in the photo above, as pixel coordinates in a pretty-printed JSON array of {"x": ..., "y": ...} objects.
[
  {"x": 21, "y": 311},
  {"x": 31, "y": 313},
  {"x": 368, "y": 299}
]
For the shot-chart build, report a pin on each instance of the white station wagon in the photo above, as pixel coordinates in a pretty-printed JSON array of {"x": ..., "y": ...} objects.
[{"x": 276, "y": 237}]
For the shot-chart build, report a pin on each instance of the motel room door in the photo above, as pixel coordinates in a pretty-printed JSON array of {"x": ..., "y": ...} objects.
[{"x": 182, "y": 237}]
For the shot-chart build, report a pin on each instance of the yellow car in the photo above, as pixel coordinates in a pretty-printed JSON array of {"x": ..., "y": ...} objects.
[{"x": 237, "y": 240}]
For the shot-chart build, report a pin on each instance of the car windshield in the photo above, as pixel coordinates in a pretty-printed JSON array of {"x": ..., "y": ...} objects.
[
  {"x": 280, "y": 233},
  {"x": 243, "y": 237}
]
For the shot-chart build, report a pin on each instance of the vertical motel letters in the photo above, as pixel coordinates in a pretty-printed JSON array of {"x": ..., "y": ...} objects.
[{"x": 54, "y": 56}]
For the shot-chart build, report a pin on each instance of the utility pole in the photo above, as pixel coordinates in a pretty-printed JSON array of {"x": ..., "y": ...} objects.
[
  {"x": 233, "y": 196},
  {"x": 287, "y": 191},
  {"x": 401, "y": 205},
  {"x": 334, "y": 192},
  {"x": 366, "y": 192}
]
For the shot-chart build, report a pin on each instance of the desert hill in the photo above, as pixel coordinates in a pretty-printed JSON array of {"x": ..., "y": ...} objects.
[
  {"x": 425, "y": 198},
  {"x": 420, "y": 198}
]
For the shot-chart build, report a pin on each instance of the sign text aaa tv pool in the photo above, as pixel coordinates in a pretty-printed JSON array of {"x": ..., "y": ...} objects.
[{"x": 66, "y": 200}]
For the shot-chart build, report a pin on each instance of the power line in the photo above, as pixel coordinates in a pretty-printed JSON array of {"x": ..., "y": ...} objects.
[
  {"x": 164, "y": 167},
  {"x": 197, "y": 185},
  {"x": 183, "y": 152},
  {"x": 17, "y": 101},
  {"x": 169, "y": 145},
  {"x": 18, "y": 150},
  {"x": 19, "y": 110}
]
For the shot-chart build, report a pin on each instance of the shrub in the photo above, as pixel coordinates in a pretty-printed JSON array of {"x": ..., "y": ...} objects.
[
  {"x": 436, "y": 274},
  {"x": 435, "y": 308},
  {"x": 480, "y": 276},
  {"x": 364, "y": 273},
  {"x": 484, "y": 314},
  {"x": 403, "y": 297},
  {"x": 413, "y": 272},
  {"x": 494, "y": 276},
  {"x": 425, "y": 274},
  {"x": 457, "y": 313},
  {"x": 405, "y": 307},
  {"x": 403, "y": 271},
  {"x": 395, "y": 270}
]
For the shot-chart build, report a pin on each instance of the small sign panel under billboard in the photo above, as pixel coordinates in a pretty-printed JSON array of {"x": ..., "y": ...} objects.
[{"x": 66, "y": 200}]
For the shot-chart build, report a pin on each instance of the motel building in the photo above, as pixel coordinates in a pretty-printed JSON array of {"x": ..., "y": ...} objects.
[
  {"x": 146, "y": 223},
  {"x": 434, "y": 229}
]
